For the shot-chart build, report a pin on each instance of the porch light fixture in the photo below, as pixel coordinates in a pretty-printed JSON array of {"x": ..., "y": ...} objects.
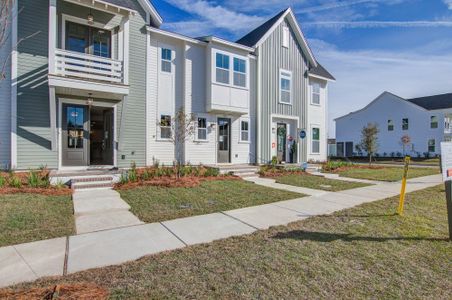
[
  {"x": 90, "y": 100},
  {"x": 90, "y": 18}
]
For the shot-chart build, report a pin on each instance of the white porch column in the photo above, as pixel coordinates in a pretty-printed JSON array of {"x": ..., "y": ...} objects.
[
  {"x": 14, "y": 60},
  {"x": 126, "y": 42},
  {"x": 52, "y": 34},
  {"x": 53, "y": 129}
]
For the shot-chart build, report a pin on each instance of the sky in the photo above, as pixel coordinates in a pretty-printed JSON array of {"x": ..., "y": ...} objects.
[{"x": 370, "y": 46}]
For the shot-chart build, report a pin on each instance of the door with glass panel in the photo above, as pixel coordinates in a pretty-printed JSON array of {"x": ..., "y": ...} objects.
[
  {"x": 89, "y": 40},
  {"x": 224, "y": 140},
  {"x": 74, "y": 135}
]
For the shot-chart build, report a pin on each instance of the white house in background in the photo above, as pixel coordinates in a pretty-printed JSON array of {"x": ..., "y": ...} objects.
[{"x": 425, "y": 120}]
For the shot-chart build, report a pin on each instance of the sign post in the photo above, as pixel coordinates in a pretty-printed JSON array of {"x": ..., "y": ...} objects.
[
  {"x": 446, "y": 168},
  {"x": 403, "y": 191}
]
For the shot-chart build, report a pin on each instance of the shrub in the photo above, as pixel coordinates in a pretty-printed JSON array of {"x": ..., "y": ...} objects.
[
  {"x": 2, "y": 181},
  {"x": 124, "y": 178},
  {"x": 212, "y": 172},
  {"x": 426, "y": 154},
  {"x": 334, "y": 165},
  {"x": 274, "y": 160},
  {"x": 133, "y": 176},
  {"x": 33, "y": 179},
  {"x": 15, "y": 181}
]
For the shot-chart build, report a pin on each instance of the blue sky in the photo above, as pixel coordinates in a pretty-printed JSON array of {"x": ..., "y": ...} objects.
[{"x": 402, "y": 46}]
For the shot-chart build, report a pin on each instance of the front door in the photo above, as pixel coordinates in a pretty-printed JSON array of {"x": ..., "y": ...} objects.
[
  {"x": 101, "y": 136},
  {"x": 224, "y": 140},
  {"x": 75, "y": 135},
  {"x": 349, "y": 149},
  {"x": 281, "y": 136}
]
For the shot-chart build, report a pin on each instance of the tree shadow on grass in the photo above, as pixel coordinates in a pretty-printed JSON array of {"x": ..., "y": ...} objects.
[{"x": 327, "y": 237}]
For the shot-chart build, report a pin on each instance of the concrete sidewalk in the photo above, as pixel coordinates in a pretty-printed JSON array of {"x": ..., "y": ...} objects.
[{"x": 28, "y": 262}]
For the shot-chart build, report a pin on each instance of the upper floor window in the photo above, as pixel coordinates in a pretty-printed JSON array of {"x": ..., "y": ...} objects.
[
  {"x": 405, "y": 124},
  {"x": 285, "y": 78},
  {"x": 165, "y": 127},
  {"x": 316, "y": 93},
  {"x": 167, "y": 57},
  {"x": 89, "y": 40},
  {"x": 390, "y": 125},
  {"x": 222, "y": 68},
  {"x": 202, "y": 129},
  {"x": 244, "y": 131},
  {"x": 239, "y": 72},
  {"x": 433, "y": 122},
  {"x": 285, "y": 37}
]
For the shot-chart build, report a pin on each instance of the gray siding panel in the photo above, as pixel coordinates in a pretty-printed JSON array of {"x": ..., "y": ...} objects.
[
  {"x": 275, "y": 57},
  {"x": 5, "y": 104},
  {"x": 33, "y": 120}
]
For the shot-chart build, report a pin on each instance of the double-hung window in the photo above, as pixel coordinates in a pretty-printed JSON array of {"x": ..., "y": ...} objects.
[
  {"x": 222, "y": 68},
  {"x": 316, "y": 93},
  {"x": 166, "y": 60},
  {"x": 390, "y": 125},
  {"x": 285, "y": 87},
  {"x": 165, "y": 126},
  {"x": 433, "y": 122},
  {"x": 315, "y": 140},
  {"x": 405, "y": 124},
  {"x": 239, "y": 72},
  {"x": 244, "y": 131},
  {"x": 286, "y": 35},
  {"x": 202, "y": 129},
  {"x": 431, "y": 145}
]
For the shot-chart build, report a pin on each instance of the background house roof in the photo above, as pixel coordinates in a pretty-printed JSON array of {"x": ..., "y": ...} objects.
[
  {"x": 321, "y": 71},
  {"x": 256, "y": 35},
  {"x": 433, "y": 102}
]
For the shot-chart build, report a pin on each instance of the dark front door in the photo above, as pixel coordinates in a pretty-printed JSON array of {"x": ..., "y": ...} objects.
[
  {"x": 349, "y": 149},
  {"x": 75, "y": 135},
  {"x": 281, "y": 138},
  {"x": 224, "y": 140},
  {"x": 101, "y": 136}
]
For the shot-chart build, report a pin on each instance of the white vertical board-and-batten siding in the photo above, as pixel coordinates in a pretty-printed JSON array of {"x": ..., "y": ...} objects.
[
  {"x": 317, "y": 117},
  {"x": 390, "y": 107},
  {"x": 5, "y": 104}
]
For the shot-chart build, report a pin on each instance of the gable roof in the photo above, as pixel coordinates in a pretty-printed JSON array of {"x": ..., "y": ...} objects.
[
  {"x": 134, "y": 5},
  {"x": 433, "y": 102},
  {"x": 256, "y": 37},
  {"x": 320, "y": 71}
]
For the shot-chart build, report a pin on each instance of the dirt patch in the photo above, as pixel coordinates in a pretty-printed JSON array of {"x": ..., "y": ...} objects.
[
  {"x": 172, "y": 182},
  {"x": 41, "y": 191},
  {"x": 73, "y": 291}
]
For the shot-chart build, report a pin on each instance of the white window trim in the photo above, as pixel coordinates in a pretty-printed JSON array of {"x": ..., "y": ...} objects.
[
  {"x": 240, "y": 131},
  {"x": 231, "y": 69},
  {"x": 319, "y": 93},
  {"x": 434, "y": 145},
  {"x": 161, "y": 59},
  {"x": 238, "y": 72},
  {"x": 285, "y": 43},
  {"x": 408, "y": 124},
  {"x": 291, "y": 86},
  {"x": 312, "y": 139},
  {"x": 159, "y": 127},
  {"x": 197, "y": 139},
  {"x": 437, "y": 122}
]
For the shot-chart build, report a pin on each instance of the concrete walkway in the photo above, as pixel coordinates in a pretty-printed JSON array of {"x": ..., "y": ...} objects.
[
  {"x": 61, "y": 256},
  {"x": 269, "y": 182},
  {"x": 101, "y": 209}
]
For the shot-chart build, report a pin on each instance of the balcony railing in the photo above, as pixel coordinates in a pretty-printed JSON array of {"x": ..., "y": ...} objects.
[{"x": 86, "y": 66}]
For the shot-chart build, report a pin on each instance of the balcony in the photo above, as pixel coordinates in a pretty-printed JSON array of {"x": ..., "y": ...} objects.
[{"x": 88, "y": 67}]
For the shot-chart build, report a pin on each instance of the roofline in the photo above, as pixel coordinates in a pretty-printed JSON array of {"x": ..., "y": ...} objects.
[
  {"x": 151, "y": 9},
  {"x": 311, "y": 57},
  {"x": 116, "y": 6},
  {"x": 175, "y": 35},
  {"x": 218, "y": 40},
  {"x": 321, "y": 77},
  {"x": 376, "y": 99}
]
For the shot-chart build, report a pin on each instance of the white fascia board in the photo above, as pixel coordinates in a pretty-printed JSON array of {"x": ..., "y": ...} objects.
[
  {"x": 321, "y": 77},
  {"x": 148, "y": 7},
  {"x": 59, "y": 81},
  {"x": 217, "y": 40},
  {"x": 301, "y": 39},
  {"x": 175, "y": 35}
]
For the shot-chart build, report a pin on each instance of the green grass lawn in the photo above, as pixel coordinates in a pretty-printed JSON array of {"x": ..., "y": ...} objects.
[
  {"x": 318, "y": 182},
  {"x": 31, "y": 217},
  {"x": 386, "y": 174},
  {"x": 360, "y": 253},
  {"x": 155, "y": 204}
]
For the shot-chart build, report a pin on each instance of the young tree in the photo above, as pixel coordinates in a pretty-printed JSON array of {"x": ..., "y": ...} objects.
[
  {"x": 369, "y": 140},
  {"x": 6, "y": 17},
  {"x": 405, "y": 141},
  {"x": 178, "y": 131}
]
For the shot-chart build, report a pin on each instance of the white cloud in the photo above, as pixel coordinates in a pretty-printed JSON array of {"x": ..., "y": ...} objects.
[
  {"x": 211, "y": 16},
  {"x": 363, "y": 75},
  {"x": 376, "y": 24},
  {"x": 448, "y": 3}
]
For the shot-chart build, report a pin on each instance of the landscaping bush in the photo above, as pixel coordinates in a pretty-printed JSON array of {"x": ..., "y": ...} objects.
[
  {"x": 14, "y": 181},
  {"x": 273, "y": 171},
  {"x": 2, "y": 181},
  {"x": 330, "y": 166},
  {"x": 38, "y": 179}
]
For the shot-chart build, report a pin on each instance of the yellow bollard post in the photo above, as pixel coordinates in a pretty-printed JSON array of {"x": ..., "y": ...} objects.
[{"x": 402, "y": 192}]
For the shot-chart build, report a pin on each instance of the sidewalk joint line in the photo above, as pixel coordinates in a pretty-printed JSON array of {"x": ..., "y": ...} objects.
[
  {"x": 66, "y": 257},
  {"x": 186, "y": 245},
  {"x": 23, "y": 259},
  {"x": 237, "y": 219}
]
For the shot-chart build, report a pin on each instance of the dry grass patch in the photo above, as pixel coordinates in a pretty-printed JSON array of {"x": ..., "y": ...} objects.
[
  {"x": 384, "y": 173},
  {"x": 318, "y": 182}
]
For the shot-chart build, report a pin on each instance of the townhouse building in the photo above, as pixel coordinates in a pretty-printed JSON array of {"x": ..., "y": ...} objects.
[{"x": 98, "y": 84}]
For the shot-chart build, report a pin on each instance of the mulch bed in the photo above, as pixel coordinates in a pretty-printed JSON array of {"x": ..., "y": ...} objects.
[
  {"x": 171, "y": 182},
  {"x": 73, "y": 291},
  {"x": 51, "y": 191}
]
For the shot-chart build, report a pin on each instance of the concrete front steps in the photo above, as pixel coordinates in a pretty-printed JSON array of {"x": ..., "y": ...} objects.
[
  {"x": 244, "y": 171},
  {"x": 92, "y": 182}
]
